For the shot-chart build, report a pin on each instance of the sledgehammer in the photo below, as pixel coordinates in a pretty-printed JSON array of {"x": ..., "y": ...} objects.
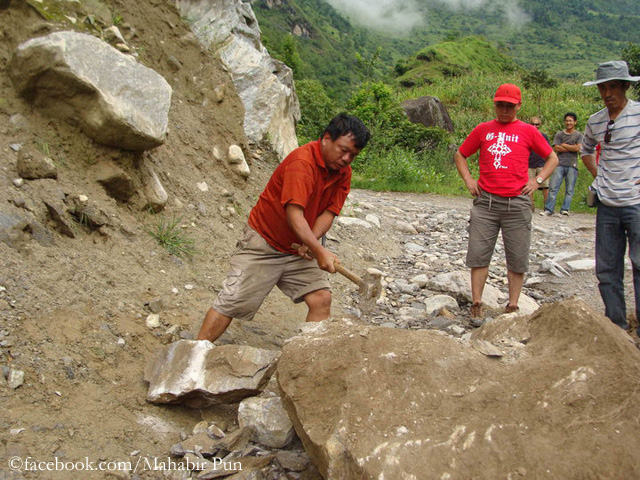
[{"x": 369, "y": 289}]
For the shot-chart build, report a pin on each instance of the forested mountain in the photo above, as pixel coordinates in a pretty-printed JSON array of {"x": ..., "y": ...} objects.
[{"x": 565, "y": 38}]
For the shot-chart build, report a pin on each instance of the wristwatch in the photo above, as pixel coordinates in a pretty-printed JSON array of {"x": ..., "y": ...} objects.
[{"x": 539, "y": 180}]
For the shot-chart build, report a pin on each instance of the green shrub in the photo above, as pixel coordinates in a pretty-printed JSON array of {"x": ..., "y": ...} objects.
[
  {"x": 316, "y": 109},
  {"x": 170, "y": 236}
]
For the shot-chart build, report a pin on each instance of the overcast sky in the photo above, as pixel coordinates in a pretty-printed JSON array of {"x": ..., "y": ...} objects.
[{"x": 401, "y": 16}]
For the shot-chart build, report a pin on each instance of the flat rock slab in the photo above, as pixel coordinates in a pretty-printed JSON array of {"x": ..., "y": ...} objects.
[
  {"x": 372, "y": 402},
  {"x": 198, "y": 373},
  {"x": 584, "y": 264}
]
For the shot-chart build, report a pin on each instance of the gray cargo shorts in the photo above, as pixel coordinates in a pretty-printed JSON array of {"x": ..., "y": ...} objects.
[
  {"x": 489, "y": 215},
  {"x": 256, "y": 267}
]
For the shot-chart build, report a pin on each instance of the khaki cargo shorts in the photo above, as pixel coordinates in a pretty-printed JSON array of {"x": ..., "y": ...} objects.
[
  {"x": 256, "y": 267},
  {"x": 489, "y": 215},
  {"x": 535, "y": 172}
]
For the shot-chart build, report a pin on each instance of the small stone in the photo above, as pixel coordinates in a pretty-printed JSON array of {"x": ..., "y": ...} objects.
[
  {"x": 16, "y": 431},
  {"x": 153, "y": 320},
  {"x": 188, "y": 287},
  {"x": 214, "y": 431},
  {"x": 201, "y": 427},
  {"x": 120, "y": 342},
  {"x": 202, "y": 186},
  {"x": 173, "y": 330},
  {"x": 156, "y": 305},
  {"x": 18, "y": 182},
  {"x": 16, "y": 378}
]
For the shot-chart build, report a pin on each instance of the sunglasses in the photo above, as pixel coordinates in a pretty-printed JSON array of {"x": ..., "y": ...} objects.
[
  {"x": 607, "y": 134},
  {"x": 536, "y": 124}
]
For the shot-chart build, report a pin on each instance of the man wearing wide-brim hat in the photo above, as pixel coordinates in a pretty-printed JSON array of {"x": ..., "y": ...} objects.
[{"x": 617, "y": 185}]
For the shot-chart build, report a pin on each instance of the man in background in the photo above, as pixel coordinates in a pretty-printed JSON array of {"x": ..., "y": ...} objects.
[
  {"x": 298, "y": 205},
  {"x": 566, "y": 144},
  {"x": 502, "y": 193},
  {"x": 536, "y": 163},
  {"x": 617, "y": 184}
]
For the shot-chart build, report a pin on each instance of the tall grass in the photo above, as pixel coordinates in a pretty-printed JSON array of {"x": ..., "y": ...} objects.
[{"x": 468, "y": 100}]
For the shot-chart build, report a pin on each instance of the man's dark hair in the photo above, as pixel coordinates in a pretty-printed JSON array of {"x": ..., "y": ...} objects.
[
  {"x": 343, "y": 124},
  {"x": 570, "y": 114}
]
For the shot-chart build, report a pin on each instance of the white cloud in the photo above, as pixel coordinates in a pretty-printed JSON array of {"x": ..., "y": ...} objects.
[
  {"x": 387, "y": 15},
  {"x": 402, "y": 16}
]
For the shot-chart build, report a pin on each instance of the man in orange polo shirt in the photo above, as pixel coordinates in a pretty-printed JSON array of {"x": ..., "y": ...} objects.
[{"x": 298, "y": 205}]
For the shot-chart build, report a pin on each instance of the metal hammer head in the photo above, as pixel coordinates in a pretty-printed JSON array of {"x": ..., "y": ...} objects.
[{"x": 370, "y": 289}]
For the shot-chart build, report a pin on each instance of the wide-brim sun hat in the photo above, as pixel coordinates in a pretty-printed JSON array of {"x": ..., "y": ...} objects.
[{"x": 613, "y": 70}]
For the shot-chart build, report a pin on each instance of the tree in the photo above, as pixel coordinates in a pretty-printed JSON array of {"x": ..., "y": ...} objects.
[
  {"x": 366, "y": 67},
  {"x": 631, "y": 54},
  {"x": 291, "y": 57},
  {"x": 537, "y": 80},
  {"x": 316, "y": 109}
]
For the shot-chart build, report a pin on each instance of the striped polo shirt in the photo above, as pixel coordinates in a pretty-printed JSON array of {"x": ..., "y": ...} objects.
[{"x": 619, "y": 166}]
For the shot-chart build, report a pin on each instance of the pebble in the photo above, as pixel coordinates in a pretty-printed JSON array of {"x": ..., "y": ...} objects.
[
  {"x": 153, "y": 320},
  {"x": 15, "y": 378}
]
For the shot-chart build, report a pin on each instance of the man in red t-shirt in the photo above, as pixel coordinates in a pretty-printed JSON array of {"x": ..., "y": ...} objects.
[
  {"x": 502, "y": 200},
  {"x": 298, "y": 205}
]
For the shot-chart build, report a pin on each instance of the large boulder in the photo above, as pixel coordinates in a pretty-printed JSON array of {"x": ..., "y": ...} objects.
[
  {"x": 116, "y": 100},
  {"x": 428, "y": 111},
  {"x": 559, "y": 399},
  {"x": 199, "y": 374},
  {"x": 265, "y": 85}
]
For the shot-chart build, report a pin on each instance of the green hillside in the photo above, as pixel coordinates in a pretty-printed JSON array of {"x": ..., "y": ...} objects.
[
  {"x": 565, "y": 38},
  {"x": 453, "y": 58}
]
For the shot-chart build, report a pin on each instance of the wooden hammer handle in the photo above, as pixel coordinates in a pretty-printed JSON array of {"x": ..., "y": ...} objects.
[{"x": 345, "y": 272}]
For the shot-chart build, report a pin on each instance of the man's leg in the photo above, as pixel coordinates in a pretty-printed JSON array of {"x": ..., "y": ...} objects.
[
  {"x": 213, "y": 325},
  {"x": 570, "y": 183},
  {"x": 516, "y": 280},
  {"x": 478, "y": 279},
  {"x": 610, "y": 247},
  {"x": 554, "y": 187},
  {"x": 484, "y": 225},
  {"x": 632, "y": 228},
  {"x": 516, "y": 236},
  {"x": 545, "y": 193},
  {"x": 319, "y": 303}
]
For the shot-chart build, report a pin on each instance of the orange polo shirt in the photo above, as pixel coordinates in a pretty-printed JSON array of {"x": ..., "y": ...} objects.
[{"x": 301, "y": 179}]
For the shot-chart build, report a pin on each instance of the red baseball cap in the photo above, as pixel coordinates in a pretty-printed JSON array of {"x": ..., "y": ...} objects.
[{"x": 508, "y": 92}]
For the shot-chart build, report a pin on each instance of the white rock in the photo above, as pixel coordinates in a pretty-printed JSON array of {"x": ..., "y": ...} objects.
[
  {"x": 353, "y": 222},
  {"x": 235, "y": 155},
  {"x": 584, "y": 264},
  {"x": 16, "y": 378},
  {"x": 371, "y": 218},
  {"x": 437, "y": 302},
  {"x": 270, "y": 421},
  {"x": 421, "y": 280},
  {"x": 202, "y": 186},
  {"x": 153, "y": 320}
]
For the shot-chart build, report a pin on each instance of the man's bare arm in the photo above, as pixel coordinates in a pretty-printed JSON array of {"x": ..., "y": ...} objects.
[
  {"x": 465, "y": 174},
  {"x": 590, "y": 162},
  {"x": 299, "y": 225}
]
